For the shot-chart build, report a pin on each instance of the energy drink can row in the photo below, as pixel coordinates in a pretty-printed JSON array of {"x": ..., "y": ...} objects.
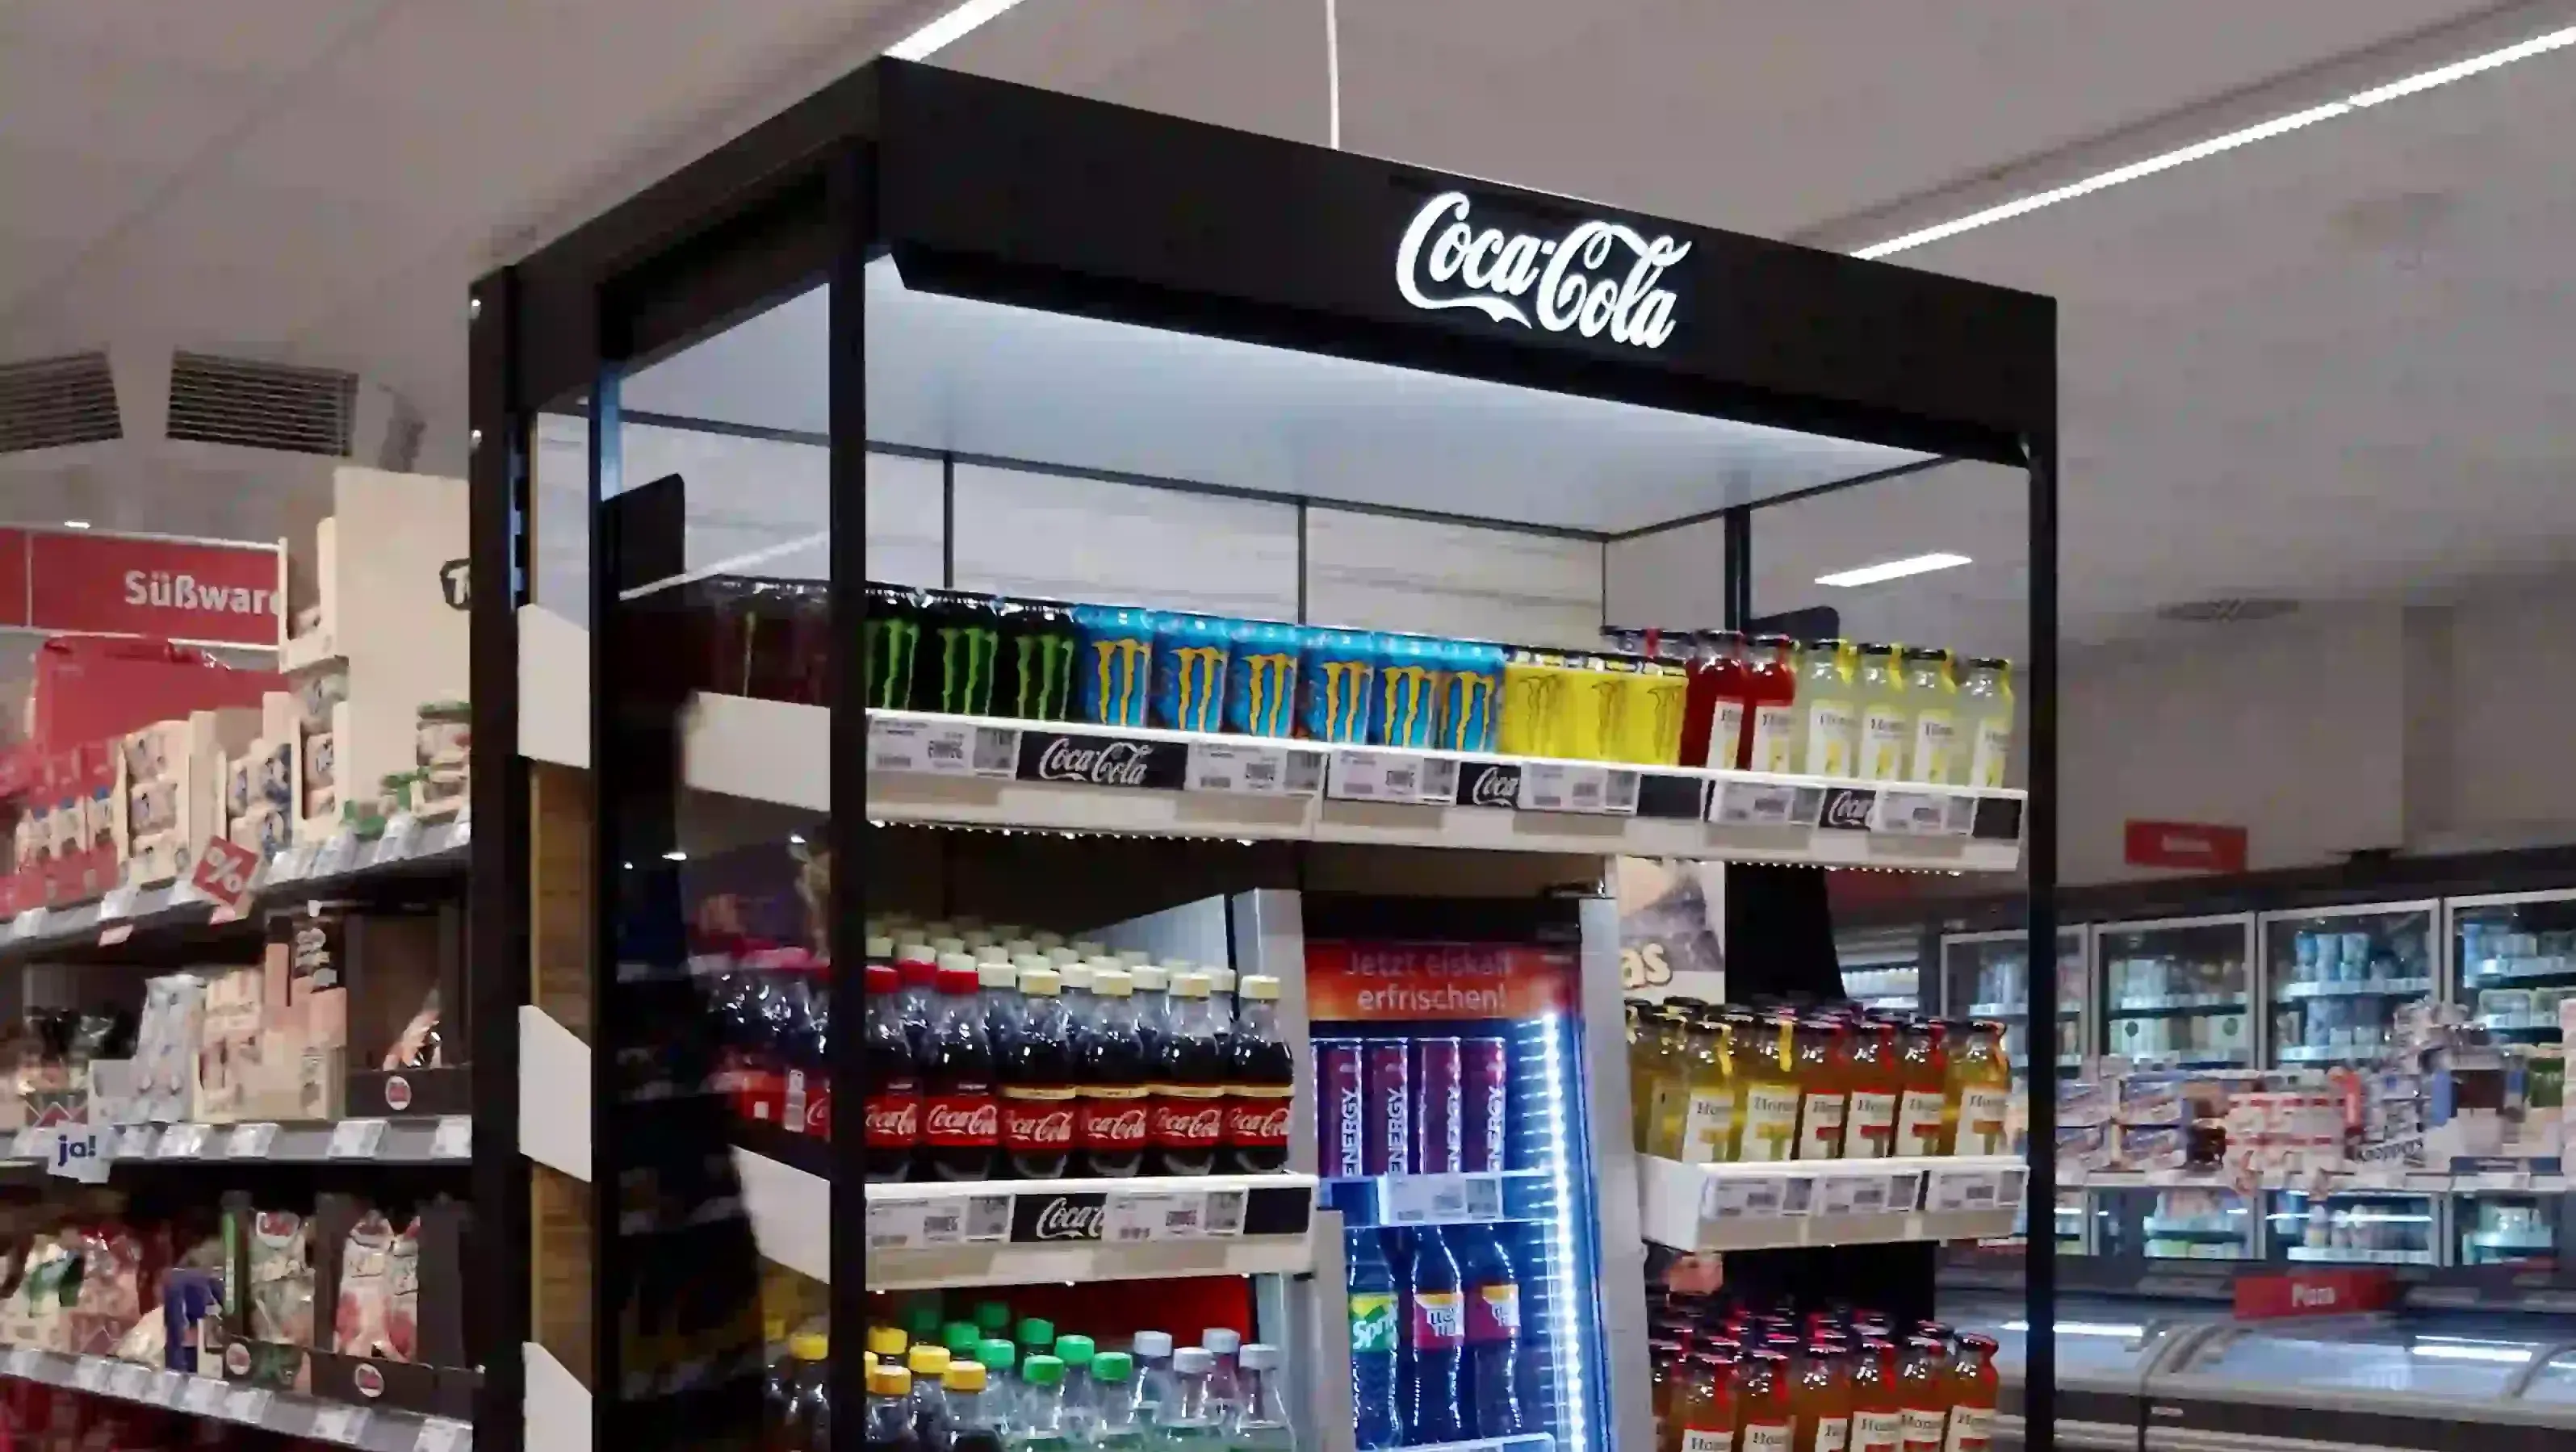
[{"x": 1593, "y": 707}]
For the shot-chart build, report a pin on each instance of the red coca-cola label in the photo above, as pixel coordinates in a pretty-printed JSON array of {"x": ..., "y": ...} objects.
[
  {"x": 1038, "y": 1119},
  {"x": 1187, "y": 1120},
  {"x": 1256, "y": 1117},
  {"x": 1115, "y": 1120},
  {"x": 893, "y": 1121},
  {"x": 961, "y": 1121},
  {"x": 818, "y": 1107}
]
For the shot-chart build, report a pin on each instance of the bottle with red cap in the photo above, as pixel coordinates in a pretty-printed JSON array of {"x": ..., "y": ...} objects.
[
  {"x": 892, "y": 1132},
  {"x": 1035, "y": 1074},
  {"x": 961, "y": 1121},
  {"x": 1766, "y": 1420},
  {"x": 1260, "y": 1080},
  {"x": 1878, "y": 1417},
  {"x": 1187, "y": 1083},
  {"x": 1923, "y": 1394}
]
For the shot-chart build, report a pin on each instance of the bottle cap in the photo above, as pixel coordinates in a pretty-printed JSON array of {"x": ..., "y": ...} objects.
[
  {"x": 1151, "y": 977},
  {"x": 996, "y": 1354},
  {"x": 1026, "y": 961},
  {"x": 1130, "y": 957},
  {"x": 946, "y": 946},
  {"x": 1150, "y": 1345},
  {"x": 1220, "y": 980},
  {"x": 927, "y": 1360},
  {"x": 958, "y": 978},
  {"x": 992, "y": 953},
  {"x": 1042, "y": 1371},
  {"x": 1189, "y": 985},
  {"x": 963, "y": 1376},
  {"x": 1112, "y": 983},
  {"x": 996, "y": 973},
  {"x": 880, "y": 947},
  {"x": 1221, "y": 1340},
  {"x": 922, "y": 1318},
  {"x": 1041, "y": 983},
  {"x": 977, "y": 940},
  {"x": 956, "y": 960},
  {"x": 886, "y": 1342},
  {"x": 1006, "y": 931},
  {"x": 918, "y": 966},
  {"x": 1075, "y": 976},
  {"x": 810, "y": 1346},
  {"x": 992, "y": 1316},
  {"x": 1192, "y": 1361},
  {"x": 1090, "y": 949},
  {"x": 1047, "y": 941},
  {"x": 1258, "y": 1356},
  {"x": 959, "y": 1337},
  {"x": 939, "y": 928},
  {"x": 889, "y": 1381},
  {"x": 879, "y": 978},
  {"x": 1036, "y": 1331},
  {"x": 1112, "y": 1366},
  {"x": 1019, "y": 947},
  {"x": 1100, "y": 963},
  {"x": 1260, "y": 987},
  {"x": 1074, "y": 1350},
  {"x": 1060, "y": 955}
]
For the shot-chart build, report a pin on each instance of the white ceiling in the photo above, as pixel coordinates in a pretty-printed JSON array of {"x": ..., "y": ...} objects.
[{"x": 2330, "y": 365}]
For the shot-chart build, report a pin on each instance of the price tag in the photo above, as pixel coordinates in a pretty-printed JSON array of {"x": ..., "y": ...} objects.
[
  {"x": 437, "y": 1434},
  {"x": 114, "y": 933},
  {"x": 358, "y": 1139},
  {"x": 895, "y": 1225},
  {"x": 250, "y": 1141},
  {"x": 1961, "y": 1190},
  {"x": 2008, "y": 1186},
  {"x": 344, "y": 1425},
  {"x": 1224, "y": 1219},
  {"x": 136, "y": 1142},
  {"x": 119, "y": 903},
  {"x": 338, "y": 854},
  {"x": 184, "y": 1141},
  {"x": 168, "y": 1387},
  {"x": 134, "y": 1383},
  {"x": 942, "y": 748},
  {"x": 400, "y": 840},
  {"x": 1379, "y": 776},
  {"x": 23, "y": 1362},
  {"x": 247, "y": 1404},
  {"x": 226, "y": 873},
  {"x": 1440, "y": 1199},
  {"x": 1252, "y": 770},
  {"x": 205, "y": 1396},
  {"x": 1129, "y": 1218},
  {"x": 1924, "y": 814},
  {"x": 1567, "y": 786},
  {"x": 1762, "y": 804},
  {"x": 1740, "y": 1197},
  {"x": 27, "y": 924},
  {"x": 1904, "y": 1192},
  {"x": 89, "y": 1373},
  {"x": 1840, "y": 1194},
  {"x": 454, "y": 1139},
  {"x": 34, "y": 1144}
]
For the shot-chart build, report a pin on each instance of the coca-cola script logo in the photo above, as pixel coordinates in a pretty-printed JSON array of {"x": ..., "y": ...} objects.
[
  {"x": 1847, "y": 809},
  {"x": 1058, "y": 1217},
  {"x": 962, "y": 1121},
  {"x": 1488, "y": 785},
  {"x": 1189, "y": 1124},
  {"x": 1112, "y": 763},
  {"x": 1263, "y": 1126},
  {"x": 1031, "y": 1128},
  {"x": 1122, "y": 1128},
  {"x": 1574, "y": 277}
]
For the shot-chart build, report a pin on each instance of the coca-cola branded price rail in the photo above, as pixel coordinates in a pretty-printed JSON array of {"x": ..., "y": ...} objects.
[{"x": 1024, "y": 1232}]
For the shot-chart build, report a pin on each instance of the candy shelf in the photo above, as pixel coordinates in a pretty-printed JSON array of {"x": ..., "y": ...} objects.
[
  {"x": 1019, "y": 1232},
  {"x": 1829, "y": 1202},
  {"x": 292, "y": 1414},
  {"x": 445, "y": 1140}
]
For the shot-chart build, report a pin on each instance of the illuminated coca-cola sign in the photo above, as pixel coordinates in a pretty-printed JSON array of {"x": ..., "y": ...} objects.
[{"x": 1599, "y": 278}]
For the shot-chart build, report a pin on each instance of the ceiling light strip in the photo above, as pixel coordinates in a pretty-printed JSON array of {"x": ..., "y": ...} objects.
[
  {"x": 949, "y": 28},
  {"x": 1894, "y": 570},
  {"x": 2297, "y": 120}
]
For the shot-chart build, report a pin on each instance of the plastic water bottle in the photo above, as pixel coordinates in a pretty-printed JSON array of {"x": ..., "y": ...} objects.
[
  {"x": 1493, "y": 1298},
  {"x": 999, "y": 1358},
  {"x": 1120, "y": 1428},
  {"x": 1373, "y": 1343},
  {"x": 1434, "y": 1343},
  {"x": 1081, "y": 1399},
  {"x": 1153, "y": 1353},
  {"x": 1262, "y": 1425},
  {"x": 1041, "y": 1422},
  {"x": 1184, "y": 1424},
  {"x": 1225, "y": 1383}
]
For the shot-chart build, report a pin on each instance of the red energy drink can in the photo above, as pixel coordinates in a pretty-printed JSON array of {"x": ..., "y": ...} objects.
[
  {"x": 1341, "y": 1116},
  {"x": 1438, "y": 1146},
  {"x": 1386, "y": 1135},
  {"x": 1485, "y": 1083}
]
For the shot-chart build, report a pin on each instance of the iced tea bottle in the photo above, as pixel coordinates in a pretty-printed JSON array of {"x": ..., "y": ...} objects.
[
  {"x": 1771, "y": 706},
  {"x": 1822, "y": 1399},
  {"x": 1765, "y": 1420},
  {"x": 1663, "y": 1080},
  {"x": 1986, "y": 720},
  {"x": 1869, "y": 1118},
  {"x": 1666, "y": 1363},
  {"x": 1878, "y": 1422},
  {"x": 1923, "y": 1063},
  {"x": 1767, "y": 1086},
  {"x": 1980, "y": 1090},
  {"x": 1932, "y": 702},
  {"x": 1831, "y": 708},
  {"x": 1706, "y": 1404},
  {"x": 1821, "y": 1069},
  {"x": 1709, "y": 1111},
  {"x": 1886, "y": 718},
  {"x": 1923, "y": 1394},
  {"x": 1720, "y": 697},
  {"x": 1972, "y": 1395}
]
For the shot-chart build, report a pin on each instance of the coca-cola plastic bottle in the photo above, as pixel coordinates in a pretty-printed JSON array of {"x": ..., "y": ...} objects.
[
  {"x": 1187, "y": 1081},
  {"x": 918, "y": 966},
  {"x": 998, "y": 990},
  {"x": 1221, "y": 1001},
  {"x": 1260, "y": 1079},
  {"x": 809, "y": 1057},
  {"x": 1153, "y": 992},
  {"x": 1035, "y": 1071},
  {"x": 961, "y": 1121},
  {"x": 893, "y": 1108},
  {"x": 1110, "y": 1069}
]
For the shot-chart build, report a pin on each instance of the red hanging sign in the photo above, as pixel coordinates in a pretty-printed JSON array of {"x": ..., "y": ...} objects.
[
  {"x": 2193, "y": 846},
  {"x": 79, "y": 582},
  {"x": 2314, "y": 1293}
]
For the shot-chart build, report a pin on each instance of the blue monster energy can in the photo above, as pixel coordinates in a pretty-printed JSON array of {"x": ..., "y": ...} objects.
[
  {"x": 1407, "y": 706},
  {"x": 1190, "y": 654},
  {"x": 1114, "y": 666},
  {"x": 1337, "y": 669},
  {"x": 1471, "y": 694},
  {"x": 1261, "y": 679}
]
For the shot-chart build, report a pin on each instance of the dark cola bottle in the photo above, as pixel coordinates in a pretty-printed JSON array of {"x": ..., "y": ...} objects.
[
  {"x": 1260, "y": 1080},
  {"x": 1035, "y": 1074},
  {"x": 1110, "y": 1070},
  {"x": 1186, "y": 1081},
  {"x": 892, "y": 1132},
  {"x": 961, "y": 1120}
]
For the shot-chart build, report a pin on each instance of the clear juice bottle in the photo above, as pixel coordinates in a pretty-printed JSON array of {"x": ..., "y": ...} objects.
[
  {"x": 1922, "y": 1110},
  {"x": 1933, "y": 702},
  {"x": 1767, "y": 1087},
  {"x": 1878, "y": 1421},
  {"x": 1822, "y": 1068},
  {"x": 1705, "y": 1404},
  {"x": 1986, "y": 719},
  {"x": 1923, "y": 1394},
  {"x": 1972, "y": 1396},
  {"x": 1720, "y": 695},
  {"x": 1822, "y": 1399},
  {"x": 1649, "y": 1042},
  {"x": 1708, "y": 1113},
  {"x": 1980, "y": 1092},
  {"x": 1771, "y": 705},
  {"x": 1765, "y": 1418},
  {"x": 1877, "y": 1084},
  {"x": 1668, "y": 1081},
  {"x": 1886, "y": 715},
  {"x": 1831, "y": 708}
]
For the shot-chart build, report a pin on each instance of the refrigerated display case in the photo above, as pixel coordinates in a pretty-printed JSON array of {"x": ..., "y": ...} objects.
[
  {"x": 2354, "y": 1227},
  {"x": 2516, "y": 957},
  {"x": 2337, "y": 976},
  {"x": 2105, "y": 1349},
  {"x": 2179, "y": 992},
  {"x": 2508, "y": 1227},
  {"x": 1987, "y": 976},
  {"x": 2174, "y": 1222},
  {"x": 2407, "y": 1381},
  {"x": 1882, "y": 969}
]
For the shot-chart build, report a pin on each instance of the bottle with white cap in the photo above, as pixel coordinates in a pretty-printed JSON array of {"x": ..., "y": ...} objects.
[
  {"x": 1047, "y": 941},
  {"x": 1090, "y": 948},
  {"x": 1128, "y": 958},
  {"x": 1079, "y": 1009},
  {"x": 1221, "y": 1000},
  {"x": 997, "y": 991},
  {"x": 1153, "y": 999},
  {"x": 976, "y": 939},
  {"x": 1224, "y": 1385},
  {"x": 1261, "y": 1424},
  {"x": 1187, "y": 1419},
  {"x": 1019, "y": 947},
  {"x": 951, "y": 944},
  {"x": 1153, "y": 1353}
]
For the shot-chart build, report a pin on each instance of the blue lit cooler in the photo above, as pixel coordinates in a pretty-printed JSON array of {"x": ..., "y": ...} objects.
[
  {"x": 1261, "y": 679},
  {"x": 1190, "y": 654},
  {"x": 1116, "y": 664},
  {"x": 1336, "y": 668}
]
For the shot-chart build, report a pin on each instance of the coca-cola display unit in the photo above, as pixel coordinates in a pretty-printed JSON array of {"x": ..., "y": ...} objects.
[{"x": 1064, "y": 546}]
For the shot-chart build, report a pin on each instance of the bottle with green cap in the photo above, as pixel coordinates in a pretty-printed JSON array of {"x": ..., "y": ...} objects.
[
  {"x": 1041, "y": 1425},
  {"x": 960, "y": 1338},
  {"x": 1081, "y": 1402},
  {"x": 1121, "y": 1427},
  {"x": 1001, "y": 1392},
  {"x": 921, "y": 1319},
  {"x": 929, "y": 1400},
  {"x": 993, "y": 1318},
  {"x": 970, "y": 1417}
]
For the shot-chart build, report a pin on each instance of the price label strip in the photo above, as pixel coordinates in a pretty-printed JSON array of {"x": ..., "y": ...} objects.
[
  {"x": 454, "y": 1139},
  {"x": 247, "y": 1405},
  {"x": 1253, "y": 770},
  {"x": 344, "y": 1425},
  {"x": 1925, "y": 814},
  {"x": 1562, "y": 786},
  {"x": 943, "y": 748},
  {"x": 1739, "y": 1197},
  {"x": 438, "y": 1434},
  {"x": 359, "y": 1139},
  {"x": 90, "y": 1374},
  {"x": 1390, "y": 776},
  {"x": 22, "y": 1362},
  {"x": 250, "y": 1141},
  {"x": 1130, "y": 1218},
  {"x": 205, "y": 1397},
  {"x": 134, "y": 1383},
  {"x": 1763, "y": 804},
  {"x": 137, "y": 1142}
]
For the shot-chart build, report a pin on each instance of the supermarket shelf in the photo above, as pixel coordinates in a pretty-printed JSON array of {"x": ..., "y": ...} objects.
[
  {"x": 2347, "y": 1255},
  {"x": 1829, "y": 1202},
  {"x": 2177, "y": 1003},
  {"x": 2542, "y": 1177},
  {"x": 2372, "y": 988},
  {"x": 978, "y": 772},
  {"x": 1014, "y": 1232},
  {"x": 2172, "y": 1230},
  {"x": 2519, "y": 1023},
  {"x": 2004, "y": 1010},
  {"x": 1473, "y": 1198},
  {"x": 291, "y": 1414},
  {"x": 447, "y": 1140},
  {"x": 2192, "y": 1061},
  {"x": 174, "y": 910},
  {"x": 2518, "y": 970},
  {"x": 2331, "y": 1054},
  {"x": 790, "y": 1211},
  {"x": 2514, "y": 1244}
]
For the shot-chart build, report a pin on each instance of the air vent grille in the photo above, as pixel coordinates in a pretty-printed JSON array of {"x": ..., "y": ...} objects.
[
  {"x": 2227, "y": 611},
  {"x": 46, "y": 403},
  {"x": 261, "y": 405}
]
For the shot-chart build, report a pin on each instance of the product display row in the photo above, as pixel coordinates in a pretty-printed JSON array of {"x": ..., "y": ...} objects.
[{"x": 1728, "y": 1378}]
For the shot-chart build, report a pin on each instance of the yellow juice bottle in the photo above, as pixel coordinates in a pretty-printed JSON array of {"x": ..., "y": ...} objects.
[
  {"x": 1980, "y": 1092},
  {"x": 1822, "y": 1068},
  {"x": 1708, "y": 1105},
  {"x": 1766, "y": 1080}
]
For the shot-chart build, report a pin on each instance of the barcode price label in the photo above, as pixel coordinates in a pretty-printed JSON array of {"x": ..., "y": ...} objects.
[
  {"x": 1379, "y": 776},
  {"x": 1561, "y": 786},
  {"x": 250, "y": 1141},
  {"x": 247, "y": 1404},
  {"x": 1738, "y": 1197},
  {"x": 1924, "y": 814},
  {"x": 134, "y": 1383},
  {"x": 1797, "y": 1196},
  {"x": 90, "y": 1374},
  {"x": 183, "y": 1141},
  {"x": 2009, "y": 1185},
  {"x": 1840, "y": 1194},
  {"x": 1753, "y": 804},
  {"x": 1262, "y": 771},
  {"x": 942, "y": 748},
  {"x": 943, "y": 1224},
  {"x": 454, "y": 1139},
  {"x": 1961, "y": 1190},
  {"x": 358, "y": 1139},
  {"x": 1904, "y": 1192},
  {"x": 344, "y": 1425},
  {"x": 119, "y": 903},
  {"x": 1127, "y": 1218},
  {"x": 205, "y": 1397},
  {"x": 438, "y": 1434},
  {"x": 1224, "y": 1219},
  {"x": 895, "y": 1226}
]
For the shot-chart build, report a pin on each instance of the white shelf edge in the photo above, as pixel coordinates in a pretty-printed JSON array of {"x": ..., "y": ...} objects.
[
  {"x": 1009, "y": 1262},
  {"x": 1674, "y": 1198},
  {"x": 554, "y": 688},
  {"x": 558, "y": 1405},
  {"x": 790, "y": 1212},
  {"x": 554, "y": 1094}
]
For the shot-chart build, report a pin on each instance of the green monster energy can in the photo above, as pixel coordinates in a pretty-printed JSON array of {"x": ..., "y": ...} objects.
[
  {"x": 1038, "y": 650},
  {"x": 891, "y": 649},
  {"x": 961, "y": 650}
]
